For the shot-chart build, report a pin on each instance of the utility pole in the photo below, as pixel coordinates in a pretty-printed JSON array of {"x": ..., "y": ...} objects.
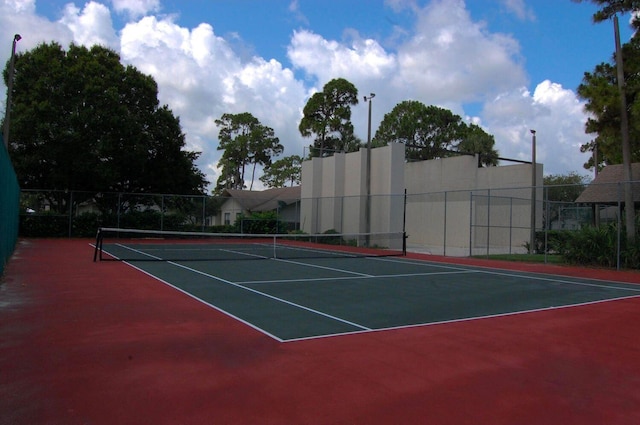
[
  {"x": 629, "y": 206},
  {"x": 532, "y": 242},
  {"x": 7, "y": 110},
  {"x": 368, "y": 201}
]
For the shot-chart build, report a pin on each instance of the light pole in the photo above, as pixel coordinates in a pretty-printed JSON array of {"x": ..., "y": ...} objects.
[
  {"x": 7, "y": 110},
  {"x": 368, "y": 203},
  {"x": 533, "y": 193}
]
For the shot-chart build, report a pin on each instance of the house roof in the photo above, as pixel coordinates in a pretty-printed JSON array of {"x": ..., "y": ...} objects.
[
  {"x": 264, "y": 200},
  {"x": 605, "y": 188}
]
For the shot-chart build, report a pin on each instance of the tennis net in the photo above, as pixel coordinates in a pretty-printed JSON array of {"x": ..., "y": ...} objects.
[{"x": 150, "y": 245}]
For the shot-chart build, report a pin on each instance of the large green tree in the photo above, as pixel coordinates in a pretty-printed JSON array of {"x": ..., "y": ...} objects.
[
  {"x": 604, "y": 100},
  {"x": 245, "y": 142},
  {"x": 599, "y": 89},
  {"x": 609, "y": 8},
  {"x": 83, "y": 121},
  {"x": 285, "y": 171},
  {"x": 430, "y": 132},
  {"x": 327, "y": 118},
  {"x": 564, "y": 187}
]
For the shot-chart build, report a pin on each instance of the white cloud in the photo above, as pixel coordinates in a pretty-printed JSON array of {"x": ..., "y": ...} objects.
[
  {"x": 91, "y": 25},
  {"x": 328, "y": 59},
  {"x": 294, "y": 8},
  {"x": 520, "y": 9},
  {"x": 451, "y": 58},
  {"x": 200, "y": 77},
  {"x": 558, "y": 118},
  {"x": 136, "y": 8},
  {"x": 21, "y": 6},
  {"x": 447, "y": 59},
  {"x": 19, "y": 17}
]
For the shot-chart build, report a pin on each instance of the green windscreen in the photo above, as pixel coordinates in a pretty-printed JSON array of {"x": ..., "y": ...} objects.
[{"x": 9, "y": 207}]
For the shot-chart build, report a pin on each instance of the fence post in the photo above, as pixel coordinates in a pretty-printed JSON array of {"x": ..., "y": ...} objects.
[
  {"x": 547, "y": 223},
  {"x": 470, "y": 223},
  {"x": 510, "y": 223},
  {"x": 619, "y": 227},
  {"x": 444, "y": 249},
  {"x": 204, "y": 211},
  {"x": 118, "y": 209},
  {"x": 70, "y": 212},
  {"x": 161, "y": 212},
  {"x": 488, "y": 220}
]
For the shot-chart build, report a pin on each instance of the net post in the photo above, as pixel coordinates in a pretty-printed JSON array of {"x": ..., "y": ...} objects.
[
  {"x": 98, "y": 245},
  {"x": 274, "y": 247},
  {"x": 404, "y": 243},
  {"x": 404, "y": 223}
]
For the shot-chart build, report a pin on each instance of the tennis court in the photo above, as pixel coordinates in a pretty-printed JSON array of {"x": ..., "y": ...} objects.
[
  {"x": 246, "y": 341},
  {"x": 296, "y": 292}
]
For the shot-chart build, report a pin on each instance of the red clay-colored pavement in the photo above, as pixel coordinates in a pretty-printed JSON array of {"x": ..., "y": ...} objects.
[{"x": 85, "y": 343}]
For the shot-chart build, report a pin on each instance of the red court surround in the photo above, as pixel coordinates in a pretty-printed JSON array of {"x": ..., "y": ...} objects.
[{"x": 101, "y": 343}]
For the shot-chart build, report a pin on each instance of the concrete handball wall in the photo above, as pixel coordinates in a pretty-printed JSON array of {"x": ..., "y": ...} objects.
[
  {"x": 340, "y": 201},
  {"x": 453, "y": 206},
  {"x": 456, "y": 208}
]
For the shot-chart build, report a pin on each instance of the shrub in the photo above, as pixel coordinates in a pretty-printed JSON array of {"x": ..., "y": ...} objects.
[
  {"x": 86, "y": 224},
  {"x": 44, "y": 225},
  {"x": 265, "y": 222},
  {"x": 592, "y": 246}
]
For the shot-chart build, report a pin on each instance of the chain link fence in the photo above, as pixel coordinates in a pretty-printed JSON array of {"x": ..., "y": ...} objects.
[
  {"x": 51, "y": 213},
  {"x": 452, "y": 223}
]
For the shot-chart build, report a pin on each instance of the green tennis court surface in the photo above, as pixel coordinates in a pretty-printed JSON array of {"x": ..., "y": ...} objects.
[{"x": 316, "y": 297}]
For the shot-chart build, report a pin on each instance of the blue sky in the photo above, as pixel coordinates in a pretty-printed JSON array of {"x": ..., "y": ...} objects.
[{"x": 507, "y": 65}]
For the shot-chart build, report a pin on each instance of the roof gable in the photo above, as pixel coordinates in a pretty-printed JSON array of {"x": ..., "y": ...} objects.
[
  {"x": 605, "y": 188},
  {"x": 264, "y": 200}
]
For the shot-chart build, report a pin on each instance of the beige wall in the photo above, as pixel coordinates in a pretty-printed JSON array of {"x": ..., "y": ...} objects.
[
  {"x": 454, "y": 190},
  {"x": 453, "y": 207},
  {"x": 340, "y": 201}
]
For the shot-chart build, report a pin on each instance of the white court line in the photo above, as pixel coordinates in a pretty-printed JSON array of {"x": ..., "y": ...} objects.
[
  {"x": 237, "y": 285},
  {"x": 262, "y": 257},
  {"x": 464, "y": 319},
  {"x": 424, "y": 263},
  {"x": 386, "y": 276},
  {"x": 580, "y": 281},
  {"x": 323, "y": 267},
  {"x": 567, "y": 282}
]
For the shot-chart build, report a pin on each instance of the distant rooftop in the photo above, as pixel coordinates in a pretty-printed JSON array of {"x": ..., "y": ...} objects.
[
  {"x": 605, "y": 188},
  {"x": 264, "y": 200}
]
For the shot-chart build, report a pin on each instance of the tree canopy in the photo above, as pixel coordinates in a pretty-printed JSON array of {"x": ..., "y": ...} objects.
[
  {"x": 327, "y": 118},
  {"x": 430, "y": 132},
  {"x": 599, "y": 89},
  {"x": 564, "y": 187},
  {"x": 245, "y": 142},
  {"x": 285, "y": 171},
  {"x": 608, "y": 8},
  {"x": 83, "y": 121}
]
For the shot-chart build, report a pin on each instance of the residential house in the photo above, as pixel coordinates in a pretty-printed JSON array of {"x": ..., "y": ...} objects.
[
  {"x": 285, "y": 201},
  {"x": 606, "y": 192}
]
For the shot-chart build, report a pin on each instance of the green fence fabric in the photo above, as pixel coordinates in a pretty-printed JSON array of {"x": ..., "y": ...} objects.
[{"x": 9, "y": 207}]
